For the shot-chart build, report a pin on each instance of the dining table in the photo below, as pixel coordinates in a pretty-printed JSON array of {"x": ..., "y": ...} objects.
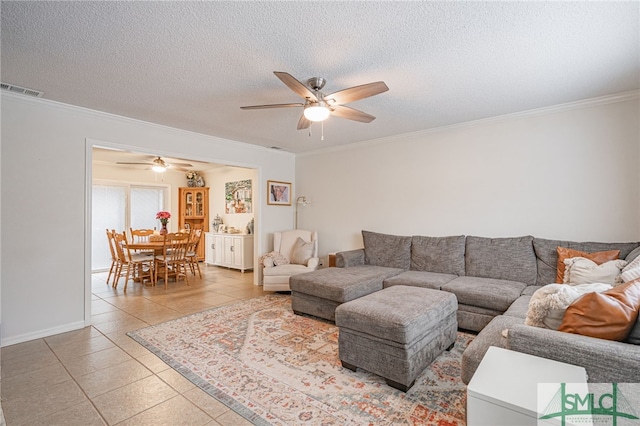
[{"x": 156, "y": 246}]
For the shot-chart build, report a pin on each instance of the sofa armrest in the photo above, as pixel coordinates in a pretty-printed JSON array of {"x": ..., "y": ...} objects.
[
  {"x": 606, "y": 361},
  {"x": 344, "y": 259},
  {"x": 268, "y": 262}
]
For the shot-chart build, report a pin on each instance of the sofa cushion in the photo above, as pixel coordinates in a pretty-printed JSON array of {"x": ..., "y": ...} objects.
[
  {"x": 444, "y": 255},
  {"x": 519, "y": 308},
  {"x": 342, "y": 284},
  {"x": 391, "y": 251},
  {"x": 486, "y": 293},
  {"x": 419, "y": 279},
  {"x": 609, "y": 315},
  {"x": 530, "y": 289},
  {"x": 511, "y": 259},
  {"x": 565, "y": 253},
  {"x": 547, "y": 256},
  {"x": 285, "y": 270}
]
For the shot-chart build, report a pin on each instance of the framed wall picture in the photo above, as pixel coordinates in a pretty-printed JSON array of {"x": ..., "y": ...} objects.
[
  {"x": 238, "y": 197},
  {"x": 279, "y": 193}
]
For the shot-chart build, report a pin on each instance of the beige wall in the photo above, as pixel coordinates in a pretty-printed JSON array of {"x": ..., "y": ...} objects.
[
  {"x": 46, "y": 176},
  {"x": 569, "y": 172}
]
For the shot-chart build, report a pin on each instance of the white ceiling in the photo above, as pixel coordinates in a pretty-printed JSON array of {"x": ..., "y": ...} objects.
[{"x": 191, "y": 65}]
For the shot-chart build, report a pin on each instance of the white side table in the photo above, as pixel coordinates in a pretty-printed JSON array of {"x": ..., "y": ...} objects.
[{"x": 504, "y": 388}]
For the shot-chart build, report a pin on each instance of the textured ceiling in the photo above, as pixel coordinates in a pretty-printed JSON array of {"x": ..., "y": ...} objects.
[{"x": 191, "y": 65}]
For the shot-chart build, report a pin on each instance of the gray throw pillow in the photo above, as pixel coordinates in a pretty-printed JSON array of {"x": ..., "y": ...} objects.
[
  {"x": 302, "y": 252},
  {"x": 634, "y": 253},
  {"x": 392, "y": 251}
]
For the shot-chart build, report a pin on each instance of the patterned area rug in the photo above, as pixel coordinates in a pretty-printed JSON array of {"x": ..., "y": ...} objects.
[{"x": 277, "y": 368}]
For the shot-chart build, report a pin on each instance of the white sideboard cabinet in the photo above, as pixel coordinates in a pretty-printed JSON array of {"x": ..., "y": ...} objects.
[{"x": 229, "y": 250}]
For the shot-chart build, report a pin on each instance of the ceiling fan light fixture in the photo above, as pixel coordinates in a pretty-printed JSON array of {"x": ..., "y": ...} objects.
[
  {"x": 316, "y": 111},
  {"x": 159, "y": 166}
]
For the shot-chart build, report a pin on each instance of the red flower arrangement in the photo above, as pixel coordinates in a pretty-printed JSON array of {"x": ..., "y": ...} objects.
[{"x": 163, "y": 217}]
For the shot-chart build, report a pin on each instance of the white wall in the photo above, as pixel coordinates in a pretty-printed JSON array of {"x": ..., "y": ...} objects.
[
  {"x": 45, "y": 182},
  {"x": 216, "y": 180},
  {"x": 569, "y": 172}
]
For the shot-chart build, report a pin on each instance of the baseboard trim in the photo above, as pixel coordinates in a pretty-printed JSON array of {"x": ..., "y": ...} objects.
[{"x": 8, "y": 341}]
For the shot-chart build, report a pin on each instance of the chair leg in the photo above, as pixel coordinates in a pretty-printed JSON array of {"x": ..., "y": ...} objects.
[
  {"x": 198, "y": 267},
  {"x": 126, "y": 279},
  {"x": 166, "y": 276},
  {"x": 113, "y": 265},
  {"x": 116, "y": 277}
]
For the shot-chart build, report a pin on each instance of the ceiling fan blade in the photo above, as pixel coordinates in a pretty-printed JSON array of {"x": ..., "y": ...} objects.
[
  {"x": 141, "y": 164},
  {"x": 293, "y": 84},
  {"x": 303, "y": 123},
  {"x": 175, "y": 165},
  {"x": 357, "y": 92},
  {"x": 271, "y": 106},
  {"x": 351, "y": 114}
]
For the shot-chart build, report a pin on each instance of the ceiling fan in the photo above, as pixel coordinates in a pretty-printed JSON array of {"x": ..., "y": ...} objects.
[
  {"x": 318, "y": 106},
  {"x": 159, "y": 165}
]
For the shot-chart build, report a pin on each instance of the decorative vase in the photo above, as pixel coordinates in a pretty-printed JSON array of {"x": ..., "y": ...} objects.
[
  {"x": 163, "y": 230},
  {"x": 191, "y": 183}
]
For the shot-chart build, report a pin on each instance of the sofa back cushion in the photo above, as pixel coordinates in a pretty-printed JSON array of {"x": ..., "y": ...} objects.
[
  {"x": 392, "y": 251},
  {"x": 443, "y": 255},
  {"x": 547, "y": 255},
  {"x": 510, "y": 259}
]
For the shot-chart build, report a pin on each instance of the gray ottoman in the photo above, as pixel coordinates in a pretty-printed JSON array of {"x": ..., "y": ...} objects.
[
  {"x": 318, "y": 293},
  {"x": 397, "y": 332}
]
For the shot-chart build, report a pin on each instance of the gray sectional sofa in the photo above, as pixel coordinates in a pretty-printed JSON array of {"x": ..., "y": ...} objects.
[{"x": 493, "y": 280}]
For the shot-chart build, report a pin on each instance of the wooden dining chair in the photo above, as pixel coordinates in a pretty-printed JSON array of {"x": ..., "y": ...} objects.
[
  {"x": 173, "y": 261},
  {"x": 115, "y": 260},
  {"x": 141, "y": 236},
  {"x": 192, "y": 251},
  {"x": 135, "y": 266}
]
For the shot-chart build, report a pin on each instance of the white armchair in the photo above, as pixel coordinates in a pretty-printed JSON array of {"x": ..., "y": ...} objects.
[{"x": 302, "y": 256}]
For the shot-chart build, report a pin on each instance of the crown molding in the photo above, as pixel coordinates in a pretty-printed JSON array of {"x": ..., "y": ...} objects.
[
  {"x": 554, "y": 109},
  {"x": 106, "y": 115}
]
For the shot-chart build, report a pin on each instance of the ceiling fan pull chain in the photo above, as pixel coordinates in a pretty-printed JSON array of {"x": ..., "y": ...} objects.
[{"x": 322, "y": 127}]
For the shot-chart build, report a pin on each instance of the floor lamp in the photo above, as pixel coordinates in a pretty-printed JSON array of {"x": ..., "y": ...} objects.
[{"x": 300, "y": 201}]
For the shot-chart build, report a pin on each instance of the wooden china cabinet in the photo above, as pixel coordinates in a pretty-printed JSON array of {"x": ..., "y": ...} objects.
[{"x": 193, "y": 210}]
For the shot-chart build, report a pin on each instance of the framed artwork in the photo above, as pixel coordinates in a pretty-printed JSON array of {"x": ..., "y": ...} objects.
[
  {"x": 279, "y": 193},
  {"x": 238, "y": 197}
]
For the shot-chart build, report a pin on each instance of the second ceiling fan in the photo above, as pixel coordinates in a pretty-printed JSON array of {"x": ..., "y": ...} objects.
[{"x": 318, "y": 106}]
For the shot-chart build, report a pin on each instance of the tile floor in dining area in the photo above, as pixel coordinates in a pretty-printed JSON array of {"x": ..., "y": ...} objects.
[{"x": 100, "y": 376}]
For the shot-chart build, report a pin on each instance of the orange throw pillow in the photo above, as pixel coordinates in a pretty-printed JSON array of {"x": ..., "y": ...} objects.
[
  {"x": 566, "y": 253},
  {"x": 608, "y": 315}
]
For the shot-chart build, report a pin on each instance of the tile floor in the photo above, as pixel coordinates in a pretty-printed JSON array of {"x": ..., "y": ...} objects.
[{"x": 100, "y": 376}]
